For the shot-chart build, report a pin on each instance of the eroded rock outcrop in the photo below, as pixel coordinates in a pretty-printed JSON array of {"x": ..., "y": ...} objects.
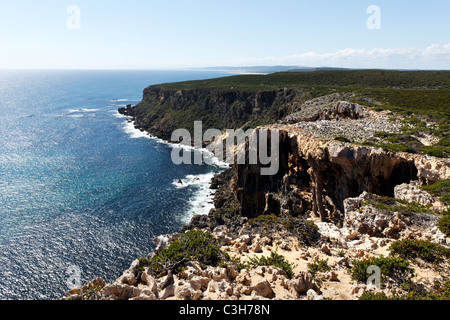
[
  {"x": 330, "y": 186},
  {"x": 317, "y": 176}
]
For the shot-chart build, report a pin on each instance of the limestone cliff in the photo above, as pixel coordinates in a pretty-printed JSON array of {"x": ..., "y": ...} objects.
[
  {"x": 162, "y": 111},
  {"x": 316, "y": 174},
  {"x": 319, "y": 207}
]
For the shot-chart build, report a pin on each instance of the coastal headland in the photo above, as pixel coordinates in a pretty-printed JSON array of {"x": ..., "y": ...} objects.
[{"x": 358, "y": 209}]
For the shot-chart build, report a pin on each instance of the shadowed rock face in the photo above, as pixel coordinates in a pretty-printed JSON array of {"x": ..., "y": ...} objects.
[{"x": 317, "y": 176}]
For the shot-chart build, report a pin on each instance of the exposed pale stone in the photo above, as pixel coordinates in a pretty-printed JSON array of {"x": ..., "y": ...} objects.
[
  {"x": 413, "y": 193},
  {"x": 300, "y": 284},
  {"x": 121, "y": 291},
  {"x": 128, "y": 278},
  {"x": 312, "y": 295}
]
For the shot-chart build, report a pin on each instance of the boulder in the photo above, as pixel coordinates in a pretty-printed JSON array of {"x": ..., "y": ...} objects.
[
  {"x": 300, "y": 284},
  {"x": 313, "y": 295},
  {"x": 413, "y": 193},
  {"x": 263, "y": 289},
  {"x": 374, "y": 222},
  {"x": 127, "y": 278}
]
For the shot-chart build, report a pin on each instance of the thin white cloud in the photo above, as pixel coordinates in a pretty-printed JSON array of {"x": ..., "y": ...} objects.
[{"x": 436, "y": 56}]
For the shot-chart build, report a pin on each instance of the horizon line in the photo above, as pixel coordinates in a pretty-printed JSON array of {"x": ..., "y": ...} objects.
[{"x": 218, "y": 68}]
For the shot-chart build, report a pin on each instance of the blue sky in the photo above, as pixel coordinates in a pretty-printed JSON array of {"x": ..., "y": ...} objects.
[{"x": 146, "y": 34}]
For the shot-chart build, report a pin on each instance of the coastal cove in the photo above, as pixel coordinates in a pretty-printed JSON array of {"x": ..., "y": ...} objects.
[{"x": 81, "y": 189}]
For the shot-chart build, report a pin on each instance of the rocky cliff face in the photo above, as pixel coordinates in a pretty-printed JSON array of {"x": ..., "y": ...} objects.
[
  {"x": 317, "y": 176},
  {"x": 321, "y": 205},
  {"x": 316, "y": 172},
  {"x": 162, "y": 111}
]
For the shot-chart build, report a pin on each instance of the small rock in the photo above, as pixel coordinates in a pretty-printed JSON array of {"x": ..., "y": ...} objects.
[
  {"x": 325, "y": 249},
  {"x": 128, "y": 278},
  {"x": 332, "y": 276},
  {"x": 256, "y": 247},
  {"x": 312, "y": 295},
  {"x": 162, "y": 242},
  {"x": 168, "y": 292},
  {"x": 260, "y": 270}
]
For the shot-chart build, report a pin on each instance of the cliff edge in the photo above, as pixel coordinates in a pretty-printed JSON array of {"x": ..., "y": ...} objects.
[{"x": 362, "y": 190}]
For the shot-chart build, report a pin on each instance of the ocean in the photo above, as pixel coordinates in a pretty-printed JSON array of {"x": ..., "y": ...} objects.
[{"x": 80, "y": 188}]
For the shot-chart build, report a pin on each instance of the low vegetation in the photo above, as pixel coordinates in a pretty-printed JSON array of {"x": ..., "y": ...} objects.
[
  {"x": 397, "y": 269},
  {"x": 203, "y": 248},
  {"x": 419, "y": 97},
  {"x": 376, "y": 79},
  {"x": 427, "y": 251},
  {"x": 305, "y": 231},
  {"x": 317, "y": 270},
  {"x": 439, "y": 292},
  {"x": 191, "y": 246},
  {"x": 318, "y": 266},
  {"x": 444, "y": 223},
  {"x": 275, "y": 260},
  {"x": 440, "y": 189},
  {"x": 391, "y": 204}
]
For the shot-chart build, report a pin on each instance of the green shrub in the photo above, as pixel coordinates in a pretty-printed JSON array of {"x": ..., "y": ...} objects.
[
  {"x": 369, "y": 295},
  {"x": 440, "y": 292},
  {"x": 397, "y": 147},
  {"x": 275, "y": 260},
  {"x": 437, "y": 151},
  {"x": 264, "y": 220},
  {"x": 193, "y": 245},
  {"x": 342, "y": 139},
  {"x": 236, "y": 262},
  {"x": 444, "y": 224},
  {"x": 392, "y": 205},
  {"x": 395, "y": 268},
  {"x": 318, "y": 266},
  {"x": 440, "y": 189},
  {"x": 425, "y": 250}
]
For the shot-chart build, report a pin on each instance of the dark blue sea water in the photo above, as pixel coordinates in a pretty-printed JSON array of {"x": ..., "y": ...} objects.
[{"x": 79, "y": 186}]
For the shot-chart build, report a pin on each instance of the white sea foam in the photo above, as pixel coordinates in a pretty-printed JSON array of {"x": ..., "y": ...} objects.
[
  {"x": 193, "y": 180},
  {"x": 133, "y": 132},
  {"x": 119, "y": 115},
  {"x": 202, "y": 201},
  {"x": 126, "y": 100},
  {"x": 82, "y": 110},
  {"x": 208, "y": 156}
]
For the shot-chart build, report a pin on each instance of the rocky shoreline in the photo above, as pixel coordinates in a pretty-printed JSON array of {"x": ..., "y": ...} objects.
[{"x": 302, "y": 234}]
